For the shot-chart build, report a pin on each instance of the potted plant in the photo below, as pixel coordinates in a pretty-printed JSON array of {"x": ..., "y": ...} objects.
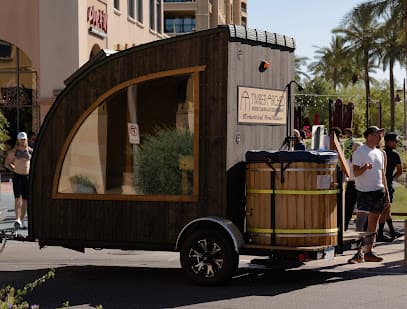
[
  {"x": 82, "y": 184},
  {"x": 165, "y": 162}
]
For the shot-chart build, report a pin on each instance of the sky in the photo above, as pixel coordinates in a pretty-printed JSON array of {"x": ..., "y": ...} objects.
[{"x": 309, "y": 22}]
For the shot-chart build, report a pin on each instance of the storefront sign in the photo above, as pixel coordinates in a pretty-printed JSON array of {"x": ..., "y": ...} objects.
[
  {"x": 262, "y": 106},
  {"x": 97, "y": 20}
]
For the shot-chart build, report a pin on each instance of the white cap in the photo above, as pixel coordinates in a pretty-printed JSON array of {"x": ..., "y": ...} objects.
[
  {"x": 22, "y": 135},
  {"x": 296, "y": 133}
]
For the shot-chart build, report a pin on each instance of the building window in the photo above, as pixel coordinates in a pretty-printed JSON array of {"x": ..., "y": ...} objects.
[
  {"x": 140, "y": 11},
  {"x": 130, "y": 8},
  {"x": 179, "y": 24},
  {"x": 244, "y": 7},
  {"x": 159, "y": 16},
  {"x": 152, "y": 12},
  {"x": 5, "y": 50},
  {"x": 116, "y": 4}
]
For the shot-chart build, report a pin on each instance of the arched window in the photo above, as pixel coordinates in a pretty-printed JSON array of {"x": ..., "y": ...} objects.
[
  {"x": 18, "y": 93},
  {"x": 139, "y": 140}
]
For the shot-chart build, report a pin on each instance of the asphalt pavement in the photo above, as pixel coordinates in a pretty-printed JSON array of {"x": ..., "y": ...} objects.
[
  {"x": 111, "y": 277},
  {"x": 394, "y": 253}
]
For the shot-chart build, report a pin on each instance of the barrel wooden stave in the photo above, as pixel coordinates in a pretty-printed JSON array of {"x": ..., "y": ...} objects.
[{"x": 292, "y": 211}]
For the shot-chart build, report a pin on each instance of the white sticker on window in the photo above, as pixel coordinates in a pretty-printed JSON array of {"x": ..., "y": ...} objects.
[{"x": 134, "y": 135}]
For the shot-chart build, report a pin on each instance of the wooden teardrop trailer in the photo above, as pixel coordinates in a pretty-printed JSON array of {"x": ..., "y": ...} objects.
[{"x": 146, "y": 149}]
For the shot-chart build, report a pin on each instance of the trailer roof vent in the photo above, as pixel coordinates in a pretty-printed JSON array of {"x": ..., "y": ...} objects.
[
  {"x": 251, "y": 34},
  {"x": 261, "y": 36},
  {"x": 242, "y": 32}
]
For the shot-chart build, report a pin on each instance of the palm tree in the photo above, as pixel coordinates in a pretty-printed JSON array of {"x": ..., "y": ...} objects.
[
  {"x": 299, "y": 73},
  {"x": 391, "y": 51},
  {"x": 332, "y": 62},
  {"x": 359, "y": 28},
  {"x": 394, "y": 43},
  {"x": 398, "y": 16}
]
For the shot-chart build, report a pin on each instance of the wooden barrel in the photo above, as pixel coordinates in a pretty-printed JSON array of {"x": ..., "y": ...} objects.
[{"x": 291, "y": 198}]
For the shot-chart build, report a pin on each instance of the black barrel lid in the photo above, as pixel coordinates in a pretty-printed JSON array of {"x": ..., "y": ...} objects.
[{"x": 328, "y": 157}]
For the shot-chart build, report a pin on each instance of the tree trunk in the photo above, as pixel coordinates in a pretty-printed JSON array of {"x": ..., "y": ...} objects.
[
  {"x": 367, "y": 87},
  {"x": 392, "y": 101}
]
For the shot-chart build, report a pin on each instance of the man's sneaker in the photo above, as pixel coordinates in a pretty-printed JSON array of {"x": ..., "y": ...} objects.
[
  {"x": 357, "y": 258},
  {"x": 17, "y": 224},
  {"x": 372, "y": 257},
  {"x": 22, "y": 225},
  {"x": 383, "y": 238},
  {"x": 396, "y": 234}
]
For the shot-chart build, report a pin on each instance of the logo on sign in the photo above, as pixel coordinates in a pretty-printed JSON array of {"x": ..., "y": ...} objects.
[
  {"x": 261, "y": 106},
  {"x": 97, "y": 20}
]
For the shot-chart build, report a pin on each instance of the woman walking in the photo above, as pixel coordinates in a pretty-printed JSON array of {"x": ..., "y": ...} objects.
[{"x": 18, "y": 161}]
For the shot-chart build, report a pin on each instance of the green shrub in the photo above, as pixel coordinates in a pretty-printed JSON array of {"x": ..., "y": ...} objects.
[
  {"x": 157, "y": 162},
  {"x": 82, "y": 179},
  {"x": 82, "y": 184},
  {"x": 12, "y": 298}
]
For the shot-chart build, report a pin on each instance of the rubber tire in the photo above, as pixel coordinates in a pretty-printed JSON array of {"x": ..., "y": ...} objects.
[{"x": 229, "y": 255}]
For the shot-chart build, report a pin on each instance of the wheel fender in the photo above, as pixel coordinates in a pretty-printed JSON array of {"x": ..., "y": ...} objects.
[{"x": 228, "y": 226}]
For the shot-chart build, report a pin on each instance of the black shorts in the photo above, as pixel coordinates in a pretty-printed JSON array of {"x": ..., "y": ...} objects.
[
  {"x": 20, "y": 186},
  {"x": 372, "y": 201}
]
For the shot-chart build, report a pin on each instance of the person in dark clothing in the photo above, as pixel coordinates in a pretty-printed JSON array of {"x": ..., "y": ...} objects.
[
  {"x": 303, "y": 134},
  {"x": 298, "y": 143},
  {"x": 393, "y": 163},
  {"x": 32, "y": 137}
]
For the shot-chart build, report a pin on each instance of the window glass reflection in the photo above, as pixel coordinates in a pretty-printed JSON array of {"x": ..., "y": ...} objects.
[{"x": 139, "y": 141}]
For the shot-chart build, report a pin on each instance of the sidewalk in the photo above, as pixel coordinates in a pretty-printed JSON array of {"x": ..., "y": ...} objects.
[
  {"x": 7, "y": 199},
  {"x": 7, "y": 205},
  {"x": 393, "y": 254},
  {"x": 393, "y": 263}
]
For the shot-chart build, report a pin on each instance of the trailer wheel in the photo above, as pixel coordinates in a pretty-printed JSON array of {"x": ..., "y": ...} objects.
[{"x": 208, "y": 257}]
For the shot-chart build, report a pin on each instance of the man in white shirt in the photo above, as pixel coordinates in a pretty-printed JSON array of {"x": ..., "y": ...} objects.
[{"x": 372, "y": 193}]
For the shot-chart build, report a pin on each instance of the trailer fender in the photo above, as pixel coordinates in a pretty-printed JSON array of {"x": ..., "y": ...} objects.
[{"x": 218, "y": 222}]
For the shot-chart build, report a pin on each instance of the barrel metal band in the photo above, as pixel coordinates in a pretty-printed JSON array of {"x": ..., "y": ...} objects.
[
  {"x": 264, "y": 169},
  {"x": 293, "y": 231},
  {"x": 297, "y": 192}
]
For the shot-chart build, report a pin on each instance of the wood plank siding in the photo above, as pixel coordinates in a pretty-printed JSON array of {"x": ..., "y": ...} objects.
[{"x": 130, "y": 223}]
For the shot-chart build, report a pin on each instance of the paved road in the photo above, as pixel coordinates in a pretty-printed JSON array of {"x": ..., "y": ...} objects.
[{"x": 144, "y": 279}]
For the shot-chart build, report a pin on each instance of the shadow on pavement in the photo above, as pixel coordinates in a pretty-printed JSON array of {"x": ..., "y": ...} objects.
[{"x": 138, "y": 287}]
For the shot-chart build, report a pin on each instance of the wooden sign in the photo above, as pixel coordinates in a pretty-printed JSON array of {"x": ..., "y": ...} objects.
[{"x": 261, "y": 106}]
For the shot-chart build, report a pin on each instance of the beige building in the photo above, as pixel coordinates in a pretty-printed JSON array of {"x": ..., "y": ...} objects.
[
  {"x": 183, "y": 16},
  {"x": 42, "y": 42}
]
